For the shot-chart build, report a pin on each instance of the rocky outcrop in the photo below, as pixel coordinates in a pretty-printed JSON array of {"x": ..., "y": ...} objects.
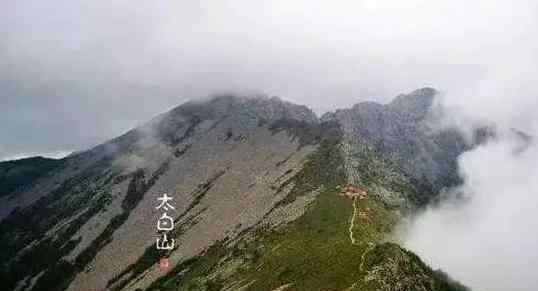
[
  {"x": 401, "y": 131},
  {"x": 226, "y": 162},
  {"x": 255, "y": 184}
]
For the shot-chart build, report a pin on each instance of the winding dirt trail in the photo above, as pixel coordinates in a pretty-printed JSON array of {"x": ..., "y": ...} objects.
[{"x": 352, "y": 224}]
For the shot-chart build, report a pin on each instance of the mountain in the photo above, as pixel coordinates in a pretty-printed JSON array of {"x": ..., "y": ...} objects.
[
  {"x": 401, "y": 130},
  {"x": 266, "y": 196},
  {"x": 19, "y": 173}
]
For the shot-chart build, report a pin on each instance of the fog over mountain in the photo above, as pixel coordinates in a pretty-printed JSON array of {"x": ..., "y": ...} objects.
[
  {"x": 95, "y": 69},
  {"x": 487, "y": 241},
  {"x": 74, "y": 74},
  {"x": 486, "y": 238}
]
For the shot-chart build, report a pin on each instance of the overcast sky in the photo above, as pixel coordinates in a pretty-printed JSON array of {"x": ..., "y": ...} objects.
[{"x": 75, "y": 73}]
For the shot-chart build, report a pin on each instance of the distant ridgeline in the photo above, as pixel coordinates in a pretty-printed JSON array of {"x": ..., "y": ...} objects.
[
  {"x": 266, "y": 196},
  {"x": 17, "y": 174}
]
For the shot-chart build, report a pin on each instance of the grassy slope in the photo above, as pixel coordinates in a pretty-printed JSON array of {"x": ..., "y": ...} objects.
[
  {"x": 312, "y": 253},
  {"x": 315, "y": 251}
]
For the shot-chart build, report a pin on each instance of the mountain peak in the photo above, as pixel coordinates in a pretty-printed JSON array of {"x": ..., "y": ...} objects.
[
  {"x": 415, "y": 104},
  {"x": 247, "y": 175},
  {"x": 238, "y": 111},
  {"x": 258, "y": 106}
]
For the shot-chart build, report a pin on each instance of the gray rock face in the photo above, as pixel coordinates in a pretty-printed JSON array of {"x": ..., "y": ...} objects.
[
  {"x": 246, "y": 112},
  {"x": 224, "y": 169},
  {"x": 229, "y": 162},
  {"x": 400, "y": 129}
]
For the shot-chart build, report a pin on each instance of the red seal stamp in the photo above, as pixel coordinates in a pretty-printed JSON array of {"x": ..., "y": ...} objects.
[{"x": 164, "y": 263}]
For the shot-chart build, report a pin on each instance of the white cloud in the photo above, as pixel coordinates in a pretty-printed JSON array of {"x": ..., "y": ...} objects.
[
  {"x": 89, "y": 70},
  {"x": 53, "y": 155},
  {"x": 488, "y": 242}
]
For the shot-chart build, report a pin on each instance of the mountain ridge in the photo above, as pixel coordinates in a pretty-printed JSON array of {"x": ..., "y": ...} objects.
[{"x": 248, "y": 175}]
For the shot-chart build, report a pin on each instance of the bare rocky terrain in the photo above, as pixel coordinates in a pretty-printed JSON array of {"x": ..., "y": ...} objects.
[{"x": 254, "y": 182}]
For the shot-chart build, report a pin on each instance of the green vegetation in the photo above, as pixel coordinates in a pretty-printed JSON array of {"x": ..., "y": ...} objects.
[
  {"x": 388, "y": 265},
  {"x": 312, "y": 253},
  {"x": 315, "y": 251},
  {"x": 325, "y": 166},
  {"x": 151, "y": 254},
  {"x": 194, "y": 272},
  {"x": 82, "y": 196},
  {"x": 374, "y": 169},
  {"x": 24, "y": 172},
  {"x": 149, "y": 258},
  {"x": 136, "y": 189}
]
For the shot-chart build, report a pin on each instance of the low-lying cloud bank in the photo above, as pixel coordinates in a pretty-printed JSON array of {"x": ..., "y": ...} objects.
[{"x": 483, "y": 233}]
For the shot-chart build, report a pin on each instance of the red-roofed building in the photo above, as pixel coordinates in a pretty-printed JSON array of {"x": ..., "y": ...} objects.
[{"x": 352, "y": 191}]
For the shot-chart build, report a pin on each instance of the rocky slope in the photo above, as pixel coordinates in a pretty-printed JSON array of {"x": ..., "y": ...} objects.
[
  {"x": 401, "y": 131},
  {"x": 258, "y": 188}
]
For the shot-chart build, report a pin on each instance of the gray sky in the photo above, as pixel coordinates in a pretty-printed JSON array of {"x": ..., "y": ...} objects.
[{"x": 75, "y": 73}]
